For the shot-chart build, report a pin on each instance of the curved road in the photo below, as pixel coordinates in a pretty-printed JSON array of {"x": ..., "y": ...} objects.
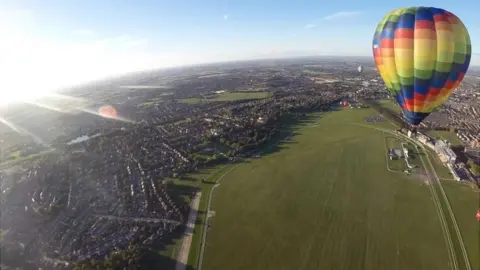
[{"x": 205, "y": 227}]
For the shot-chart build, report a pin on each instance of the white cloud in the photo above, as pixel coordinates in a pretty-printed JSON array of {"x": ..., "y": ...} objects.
[
  {"x": 341, "y": 14},
  {"x": 83, "y": 32},
  {"x": 225, "y": 17},
  {"x": 310, "y": 26}
]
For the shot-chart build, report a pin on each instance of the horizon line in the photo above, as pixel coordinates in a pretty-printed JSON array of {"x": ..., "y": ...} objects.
[{"x": 131, "y": 73}]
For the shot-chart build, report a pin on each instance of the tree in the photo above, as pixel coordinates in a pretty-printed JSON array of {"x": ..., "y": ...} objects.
[{"x": 475, "y": 168}]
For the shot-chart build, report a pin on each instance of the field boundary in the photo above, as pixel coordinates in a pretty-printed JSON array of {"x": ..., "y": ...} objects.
[
  {"x": 386, "y": 154},
  {"x": 388, "y": 163},
  {"x": 182, "y": 258},
  {"x": 452, "y": 216},
  {"x": 207, "y": 217},
  {"x": 438, "y": 206}
]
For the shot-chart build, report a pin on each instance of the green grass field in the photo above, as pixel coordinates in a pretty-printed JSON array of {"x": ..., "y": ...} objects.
[
  {"x": 396, "y": 164},
  {"x": 151, "y": 102},
  {"x": 465, "y": 203},
  {"x": 389, "y": 104},
  {"x": 229, "y": 97},
  {"x": 18, "y": 159},
  {"x": 194, "y": 181},
  {"x": 315, "y": 72},
  {"x": 327, "y": 201},
  {"x": 442, "y": 171}
]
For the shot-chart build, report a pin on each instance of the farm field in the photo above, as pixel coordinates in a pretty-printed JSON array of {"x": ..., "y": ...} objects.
[
  {"x": 326, "y": 201},
  {"x": 229, "y": 97}
]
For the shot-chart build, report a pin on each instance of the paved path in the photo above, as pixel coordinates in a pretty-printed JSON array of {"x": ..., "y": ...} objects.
[
  {"x": 156, "y": 220},
  {"x": 205, "y": 228},
  {"x": 182, "y": 258}
]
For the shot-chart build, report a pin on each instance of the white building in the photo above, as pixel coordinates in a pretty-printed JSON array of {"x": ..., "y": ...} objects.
[{"x": 444, "y": 152}]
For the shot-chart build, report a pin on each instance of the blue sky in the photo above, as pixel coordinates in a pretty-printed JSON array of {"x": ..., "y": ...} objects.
[{"x": 90, "y": 39}]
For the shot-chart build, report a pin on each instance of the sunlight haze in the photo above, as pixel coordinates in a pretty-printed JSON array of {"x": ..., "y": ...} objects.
[{"x": 48, "y": 45}]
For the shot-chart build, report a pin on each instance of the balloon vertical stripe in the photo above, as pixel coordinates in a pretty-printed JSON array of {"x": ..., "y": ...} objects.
[{"x": 422, "y": 54}]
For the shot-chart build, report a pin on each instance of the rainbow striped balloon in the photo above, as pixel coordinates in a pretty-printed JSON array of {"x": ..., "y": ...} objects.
[{"x": 422, "y": 54}]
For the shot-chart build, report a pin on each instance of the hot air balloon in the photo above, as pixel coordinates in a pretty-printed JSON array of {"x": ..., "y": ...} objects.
[
  {"x": 107, "y": 111},
  {"x": 422, "y": 55},
  {"x": 360, "y": 69}
]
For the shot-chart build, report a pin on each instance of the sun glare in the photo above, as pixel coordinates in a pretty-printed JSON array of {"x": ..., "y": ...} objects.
[{"x": 12, "y": 95}]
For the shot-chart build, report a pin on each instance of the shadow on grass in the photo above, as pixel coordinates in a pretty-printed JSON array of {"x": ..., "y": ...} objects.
[
  {"x": 459, "y": 151},
  {"x": 288, "y": 126},
  {"x": 152, "y": 260},
  {"x": 189, "y": 178}
]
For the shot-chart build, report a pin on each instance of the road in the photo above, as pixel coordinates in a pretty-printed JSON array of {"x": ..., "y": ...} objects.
[
  {"x": 140, "y": 219},
  {"x": 182, "y": 258},
  {"x": 449, "y": 208},
  {"x": 205, "y": 228},
  {"x": 435, "y": 181}
]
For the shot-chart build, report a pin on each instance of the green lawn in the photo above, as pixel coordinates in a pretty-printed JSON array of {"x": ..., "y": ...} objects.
[
  {"x": 16, "y": 154},
  {"x": 414, "y": 157},
  {"x": 227, "y": 96},
  {"x": 194, "y": 180},
  {"x": 191, "y": 100},
  {"x": 183, "y": 121},
  {"x": 315, "y": 72},
  {"x": 396, "y": 164},
  {"x": 9, "y": 163},
  {"x": 325, "y": 201},
  {"x": 464, "y": 204},
  {"x": 390, "y": 104},
  {"x": 442, "y": 171},
  {"x": 151, "y": 102},
  {"x": 199, "y": 227}
]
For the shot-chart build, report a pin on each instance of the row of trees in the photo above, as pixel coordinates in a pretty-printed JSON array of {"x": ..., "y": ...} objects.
[
  {"x": 386, "y": 112},
  {"x": 475, "y": 168},
  {"x": 130, "y": 259}
]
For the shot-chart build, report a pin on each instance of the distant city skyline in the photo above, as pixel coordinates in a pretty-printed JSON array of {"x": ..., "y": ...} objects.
[{"x": 48, "y": 45}]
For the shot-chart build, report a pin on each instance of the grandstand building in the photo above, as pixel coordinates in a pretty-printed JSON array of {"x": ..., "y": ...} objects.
[
  {"x": 444, "y": 152},
  {"x": 426, "y": 140}
]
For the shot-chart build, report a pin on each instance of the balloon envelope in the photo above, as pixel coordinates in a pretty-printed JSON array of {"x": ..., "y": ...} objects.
[
  {"x": 107, "y": 111},
  {"x": 422, "y": 55}
]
